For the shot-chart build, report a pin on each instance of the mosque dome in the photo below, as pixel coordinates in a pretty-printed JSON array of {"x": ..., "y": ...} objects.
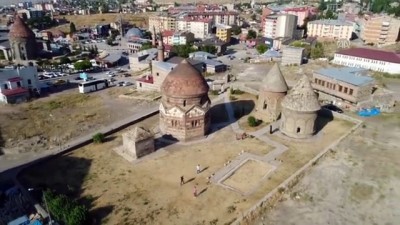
[
  {"x": 134, "y": 33},
  {"x": 184, "y": 81}
]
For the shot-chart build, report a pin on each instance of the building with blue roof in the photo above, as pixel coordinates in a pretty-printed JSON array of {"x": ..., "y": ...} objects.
[{"x": 348, "y": 84}]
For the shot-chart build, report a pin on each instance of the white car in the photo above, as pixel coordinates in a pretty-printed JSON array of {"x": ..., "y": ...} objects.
[
  {"x": 111, "y": 75},
  {"x": 127, "y": 84}
]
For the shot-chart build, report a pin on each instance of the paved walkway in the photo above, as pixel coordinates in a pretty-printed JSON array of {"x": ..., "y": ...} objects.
[{"x": 233, "y": 165}]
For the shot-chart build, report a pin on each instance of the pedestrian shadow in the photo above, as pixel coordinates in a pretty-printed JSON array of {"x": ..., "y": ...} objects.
[
  {"x": 204, "y": 169},
  {"x": 202, "y": 191},
  {"x": 190, "y": 180}
]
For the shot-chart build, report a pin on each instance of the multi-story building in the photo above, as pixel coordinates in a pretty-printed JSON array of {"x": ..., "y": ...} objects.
[
  {"x": 343, "y": 84},
  {"x": 372, "y": 59},
  {"x": 134, "y": 46},
  {"x": 301, "y": 12},
  {"x": 335, "y": 29},
  {"x": 380, "y": 30},
  {"x": 18, "y": 83},
  {"x": 201, "y": 28},
  {"x": 162, "y": 22},
  {"x": 223, "y": 17},
  {"x": 31, "y": 13},
  {"x": 223, "y": 32},
  {"x": 292, "y": 55},
  {"x": 177, "y": 37},
  {"x": 282, "y": 25}
]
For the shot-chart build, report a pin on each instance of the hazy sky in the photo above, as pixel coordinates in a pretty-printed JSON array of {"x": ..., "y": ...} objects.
[{"x": 9, "y": 2}]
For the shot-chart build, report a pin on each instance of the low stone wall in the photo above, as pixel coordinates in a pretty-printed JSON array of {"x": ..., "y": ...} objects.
[
  {"x": 273, "y": 197},
  {"x": 244, "y": 88}
]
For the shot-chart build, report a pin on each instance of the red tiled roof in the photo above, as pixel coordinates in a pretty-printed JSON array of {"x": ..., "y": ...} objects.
[
  {"x": 372, "y": 54},
  {"x": 146, "y": 79},
  {"x": 167, "y": 33},
  {"x": 15, "y": 91}
]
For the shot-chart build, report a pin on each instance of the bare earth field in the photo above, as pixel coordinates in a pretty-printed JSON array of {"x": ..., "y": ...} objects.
[
  {"x": 148, "y": 192},
  {"x": 357, "y": 183},
  {"x": 54, "y": 120}
]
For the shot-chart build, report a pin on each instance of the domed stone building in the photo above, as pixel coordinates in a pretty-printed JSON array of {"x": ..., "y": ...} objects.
[
  {"x": 134, "y": 33},
  {"x": 272, "y": 91},
  {"x": 22, "y": 41},
  {"x": 184, "y": 108},
  {"x": 299, "y": 110}
]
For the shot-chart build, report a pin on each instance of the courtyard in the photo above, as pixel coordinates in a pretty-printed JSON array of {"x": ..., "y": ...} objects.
[{"x": 148, "y": 192}]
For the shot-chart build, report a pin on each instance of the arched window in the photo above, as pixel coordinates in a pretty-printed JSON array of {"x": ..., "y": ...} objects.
[
  {"x": 298, "y": 130},
  {"x": 184, "y": 103},
  {"x": 265, "y": 105}
]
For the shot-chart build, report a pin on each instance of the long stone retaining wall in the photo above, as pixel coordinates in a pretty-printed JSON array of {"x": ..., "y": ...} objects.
[{"x": 273, "y": 197}]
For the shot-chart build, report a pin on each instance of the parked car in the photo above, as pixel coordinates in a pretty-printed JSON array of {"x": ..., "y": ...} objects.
[
  {"x": 78, "y": 78},
  {"x": 333, "y": 108},
  {"x": 111, "y": 75},
  {"x": 120, "y": 84},
  {"x": 127, "y": 84}
]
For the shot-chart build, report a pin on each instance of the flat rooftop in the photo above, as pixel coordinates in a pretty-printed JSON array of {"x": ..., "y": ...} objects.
[{"x": 348, "y": 75}]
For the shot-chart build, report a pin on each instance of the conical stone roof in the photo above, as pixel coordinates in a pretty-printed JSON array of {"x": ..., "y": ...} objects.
[
  {"x": 19, "y": 29},
  {"x": 184, "y": 81},
  {"x": 140, "y": 134},
  {"x": 302, "y": 97},
  {"x": 274, "y": 81}
]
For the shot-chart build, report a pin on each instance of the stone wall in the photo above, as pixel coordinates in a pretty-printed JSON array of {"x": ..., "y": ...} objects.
[
  {"x": 144, "y": 147},
  {"x": 298, "y": 124},
  {"x": 268, "y": 106}
]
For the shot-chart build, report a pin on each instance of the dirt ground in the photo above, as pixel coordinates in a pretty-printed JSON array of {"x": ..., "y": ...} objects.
[
  {"x": 356, "y": 184},
  {"x": 52, "y": 121},
  {"x": 148, "y": 192}
]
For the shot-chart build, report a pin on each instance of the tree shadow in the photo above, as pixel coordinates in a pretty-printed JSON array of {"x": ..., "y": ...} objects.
[
  {"x": 324, "y": 116},
  {"x": 57, "y": 89},
  {"x": 63, "y": 174}
]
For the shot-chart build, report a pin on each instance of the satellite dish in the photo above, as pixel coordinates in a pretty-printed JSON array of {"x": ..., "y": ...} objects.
[{"x": 343, "y": 43}]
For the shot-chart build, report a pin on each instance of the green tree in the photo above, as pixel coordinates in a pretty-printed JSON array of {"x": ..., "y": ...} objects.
[
  {"x": 209, "y": 48},
  {"x": 145, "y": 46},
  {"x": 72, "y": 28},
  {"x": 253, "y": 17},
  {"x": 252, "y": 121},
  {"x": 330, "y": 15},
  {"x": 251, "y": 34},
  {"x": 65, "y": 209},
  {"x": 65, "y": 60},
  {"x": 322, "y": 5},
  {"x": 98, "y": 138},
  {"x": 83, "y": 65},
  {"x": 317, "y": 51},
  {"x": 261, "y": 48},
  {"x": 236, "y": 30},
  {"x": 183, "y": 50}
]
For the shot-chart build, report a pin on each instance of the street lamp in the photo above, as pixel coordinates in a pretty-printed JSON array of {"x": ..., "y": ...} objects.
[{"x": 45, "y": 203}]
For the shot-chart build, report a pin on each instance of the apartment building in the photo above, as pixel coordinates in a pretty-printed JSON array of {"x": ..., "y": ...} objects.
[
  {"x": 201, "y": 28},
  {"x": 334, "y": 29},
  {"x": 177, "y": 37},
  {"x": 223, "y": 32},
  {"x": 380, "y": 30},
  {"x": 279, "y": 26},
  {"x": 343, "y": 84},
  {"x": 162, "y": 22},
  {"x": 222, "y": 17},
  {"x": 372, "y": 59},
  {"x": 301, "y": 12}
]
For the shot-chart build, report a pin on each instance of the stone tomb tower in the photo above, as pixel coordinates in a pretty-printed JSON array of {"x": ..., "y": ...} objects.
[
  {"x": 272, "y": 91},
  {"x": 184, "y": 108},
  {"x": 299, "y": 110},
  {"x": 138, "y": 142},
  {"x": 22, "y": 41}
]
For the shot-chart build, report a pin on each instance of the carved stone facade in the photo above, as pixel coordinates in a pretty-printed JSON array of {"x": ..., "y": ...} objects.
[
  {"x": 138, "y": 142},
  {"x": 273, "y": 90},
  {"x": 184, "y": 108},
  {"x": 299, "y": 111},
  {"x": 22, "y": 41}
]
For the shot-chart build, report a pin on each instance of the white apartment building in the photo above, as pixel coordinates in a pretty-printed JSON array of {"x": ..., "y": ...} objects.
[
  {"x": 16, "y": 84},
  {"x": 380, "y": 30},
  {"x": 201, "y": 28},
  {"x": 162, "y": 22},
  {"x": 335, "y": 29},
  {"x": 372, "y": 59},
  {"x": 279, "y": 26},
  {"x": 177, "y": 38}
]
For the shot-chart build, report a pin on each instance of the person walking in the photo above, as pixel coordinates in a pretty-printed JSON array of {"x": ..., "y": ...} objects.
[
  {"x": 198, "y": 168},
  {"x": 195, "y": 191},
  {"x": 182, "y": 180}
]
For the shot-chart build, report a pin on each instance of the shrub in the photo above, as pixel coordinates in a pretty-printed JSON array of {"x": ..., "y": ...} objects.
[
  {"x": 232, "y": 98},
  {"x": 252, "y": 121},
  {"x": 214, "y": 92},
  {"x": 236, "y": 92},
  {"x": 231, "y": 209},
  {"x": 98, "y": 138}
]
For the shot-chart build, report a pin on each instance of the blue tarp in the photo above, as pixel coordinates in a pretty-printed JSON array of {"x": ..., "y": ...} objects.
[
  {"x": 369, "y": 112},
  {"x": 36, "y": 222}
]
